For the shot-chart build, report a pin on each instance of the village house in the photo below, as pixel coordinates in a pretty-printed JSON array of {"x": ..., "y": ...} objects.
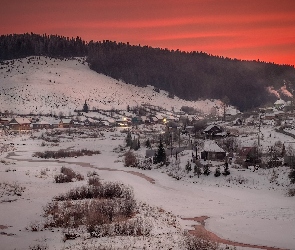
[
  {"x": 237, "y": 122},
  {"x": 279, "y": 104},
  {"x": 65, "y": 123},
  {"x": 121, "y": 123},
  {"x": 41, "y": 125},
  {"x": 154, "y": 120},
  {"x": 212, "y": 151},
  {"x": 248, "y": 155},
  {"x": 214, "y": 131},
  {"x": 20, "y": 123},
  {"x": 4, "y": 121}
]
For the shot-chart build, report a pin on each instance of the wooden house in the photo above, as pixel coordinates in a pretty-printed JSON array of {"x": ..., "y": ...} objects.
[
  {"x": 20, "y": 123},
  {"x": 237, "y": 122},
  {"x": 65, "y": 123},
  {"x": 212, "y": 151},
  {"x": 214, "y": 131},
  {"x": 41, "y": 125},
  {"x": 4, "y": 121}
]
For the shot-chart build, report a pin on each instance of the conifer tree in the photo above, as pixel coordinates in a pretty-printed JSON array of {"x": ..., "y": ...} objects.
[
  {"x": 188, "y": 167},
  {"x": 197, "y": 169},
  {"x": 128, "y": 139},
  {"x": 206, "y": 170},
  {"x": 217, "y": 172},
  {"x": 160, "y": 156},
  {"x": 226, "y": 169},
  {"x": 148, "y": 144}
]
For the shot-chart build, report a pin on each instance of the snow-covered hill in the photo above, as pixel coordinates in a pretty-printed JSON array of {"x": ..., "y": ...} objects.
[{"x": 50, "y": 85}]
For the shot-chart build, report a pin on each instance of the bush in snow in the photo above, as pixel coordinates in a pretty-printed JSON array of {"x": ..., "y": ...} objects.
[
  {"x": 93, "y": 173},
  {"x": 199, "y": 242},
  {"x": 292, "y": 176},
  {"x": 8, "y": 189},
  {"x": 92, "y": 207},
  {"x": 206, "y": 170},
  {"x": 198, "y": 168},
  {"x": 226, "y": 170},
  {"x": 64, "y": 153},
  {"x": 130, "y": 159},
  {"x": 188, "y": 167},
  {"x": 94, "y": 181},
  {"x": 237, "y": 180},
  {"x": 291, "y": 192},
  {"x": 107, "y": 190},
  {"x": 67, "y": 175},
  {"x": 38, "y": 247},
  {"x": 217, "y": 172},
  {"x": 134, "y": 227}
]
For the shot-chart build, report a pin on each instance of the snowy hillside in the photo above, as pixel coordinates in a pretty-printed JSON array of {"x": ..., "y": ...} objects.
[{"x": 48, "y": 85}]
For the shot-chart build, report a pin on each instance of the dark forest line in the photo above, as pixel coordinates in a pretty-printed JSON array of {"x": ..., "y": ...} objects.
[{"x": 188, "y": 75}]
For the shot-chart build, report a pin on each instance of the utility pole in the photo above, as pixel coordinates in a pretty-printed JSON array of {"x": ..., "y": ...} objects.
[
  {"x": 258, "y": 139},
  {"x": 179, "y": 138},
  {"x": 171, "y": 140}
]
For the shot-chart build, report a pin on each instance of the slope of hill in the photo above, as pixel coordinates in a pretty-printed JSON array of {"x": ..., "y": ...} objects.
[
  {"x": 47, "y": 85},
  {"x": 187, "y": 75}
]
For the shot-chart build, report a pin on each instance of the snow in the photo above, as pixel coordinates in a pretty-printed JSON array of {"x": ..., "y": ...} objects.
[
  {"x": 255, "y": 212},
  {"x": 248, "y": 206},
  {"x": 48, "y": 85}
]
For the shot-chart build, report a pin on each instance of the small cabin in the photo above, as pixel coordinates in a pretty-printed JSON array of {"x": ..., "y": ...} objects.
[{"x": 212, "y": 151}]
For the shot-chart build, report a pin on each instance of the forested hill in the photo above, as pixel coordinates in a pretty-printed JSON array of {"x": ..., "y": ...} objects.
[{"x": 188, "y": 75}]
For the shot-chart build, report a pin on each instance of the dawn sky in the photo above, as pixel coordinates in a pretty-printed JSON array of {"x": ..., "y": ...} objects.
[{"x": 243, "y": 29}]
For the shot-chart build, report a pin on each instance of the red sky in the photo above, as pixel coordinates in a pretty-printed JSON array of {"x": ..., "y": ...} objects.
[{"x": 243, "y": 29}]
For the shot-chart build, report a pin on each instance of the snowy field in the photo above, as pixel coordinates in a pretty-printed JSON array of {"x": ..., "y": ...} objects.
[{"x": 247, "y": 207}]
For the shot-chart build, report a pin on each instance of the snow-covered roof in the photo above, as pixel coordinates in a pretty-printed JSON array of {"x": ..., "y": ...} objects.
[
  {"x": 211, "y": 146},
  {"x": 66, "y": 121},
  {"x": 232, "y": 111},
  {"x": 280, "y": 102},
  {"x": 42, "y": 123},
  {"x": 20, "y": 120},
  {"x": 159, "y": 116},
  {"x": 210, "y": 127}
]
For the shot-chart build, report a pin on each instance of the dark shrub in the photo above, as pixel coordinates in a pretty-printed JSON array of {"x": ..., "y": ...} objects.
[{"x": 67, "y": 175}]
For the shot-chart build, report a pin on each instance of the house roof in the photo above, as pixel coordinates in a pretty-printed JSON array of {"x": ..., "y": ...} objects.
[
  {"x": 210, "y": 127},
  {"x": 279, "y": 102},
  {"x": 159, "y": 116},
  {"x": 42, "y": 123},
  {"x": 211, "y": 146},
  {"x": 20, "y": 120},
  {"x": 66, "y": 121}
]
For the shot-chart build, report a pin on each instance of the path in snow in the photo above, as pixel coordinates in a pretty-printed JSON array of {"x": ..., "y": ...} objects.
[
  {"x": 83, "y": 164},
  {"x": 200, "y": 230}
]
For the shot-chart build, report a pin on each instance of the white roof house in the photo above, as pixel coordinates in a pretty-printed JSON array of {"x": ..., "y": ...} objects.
[
  {"x": 280, "y": 102},
  {"x": 211, "y": 146},
  {"x": 20, "y": 120}
]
